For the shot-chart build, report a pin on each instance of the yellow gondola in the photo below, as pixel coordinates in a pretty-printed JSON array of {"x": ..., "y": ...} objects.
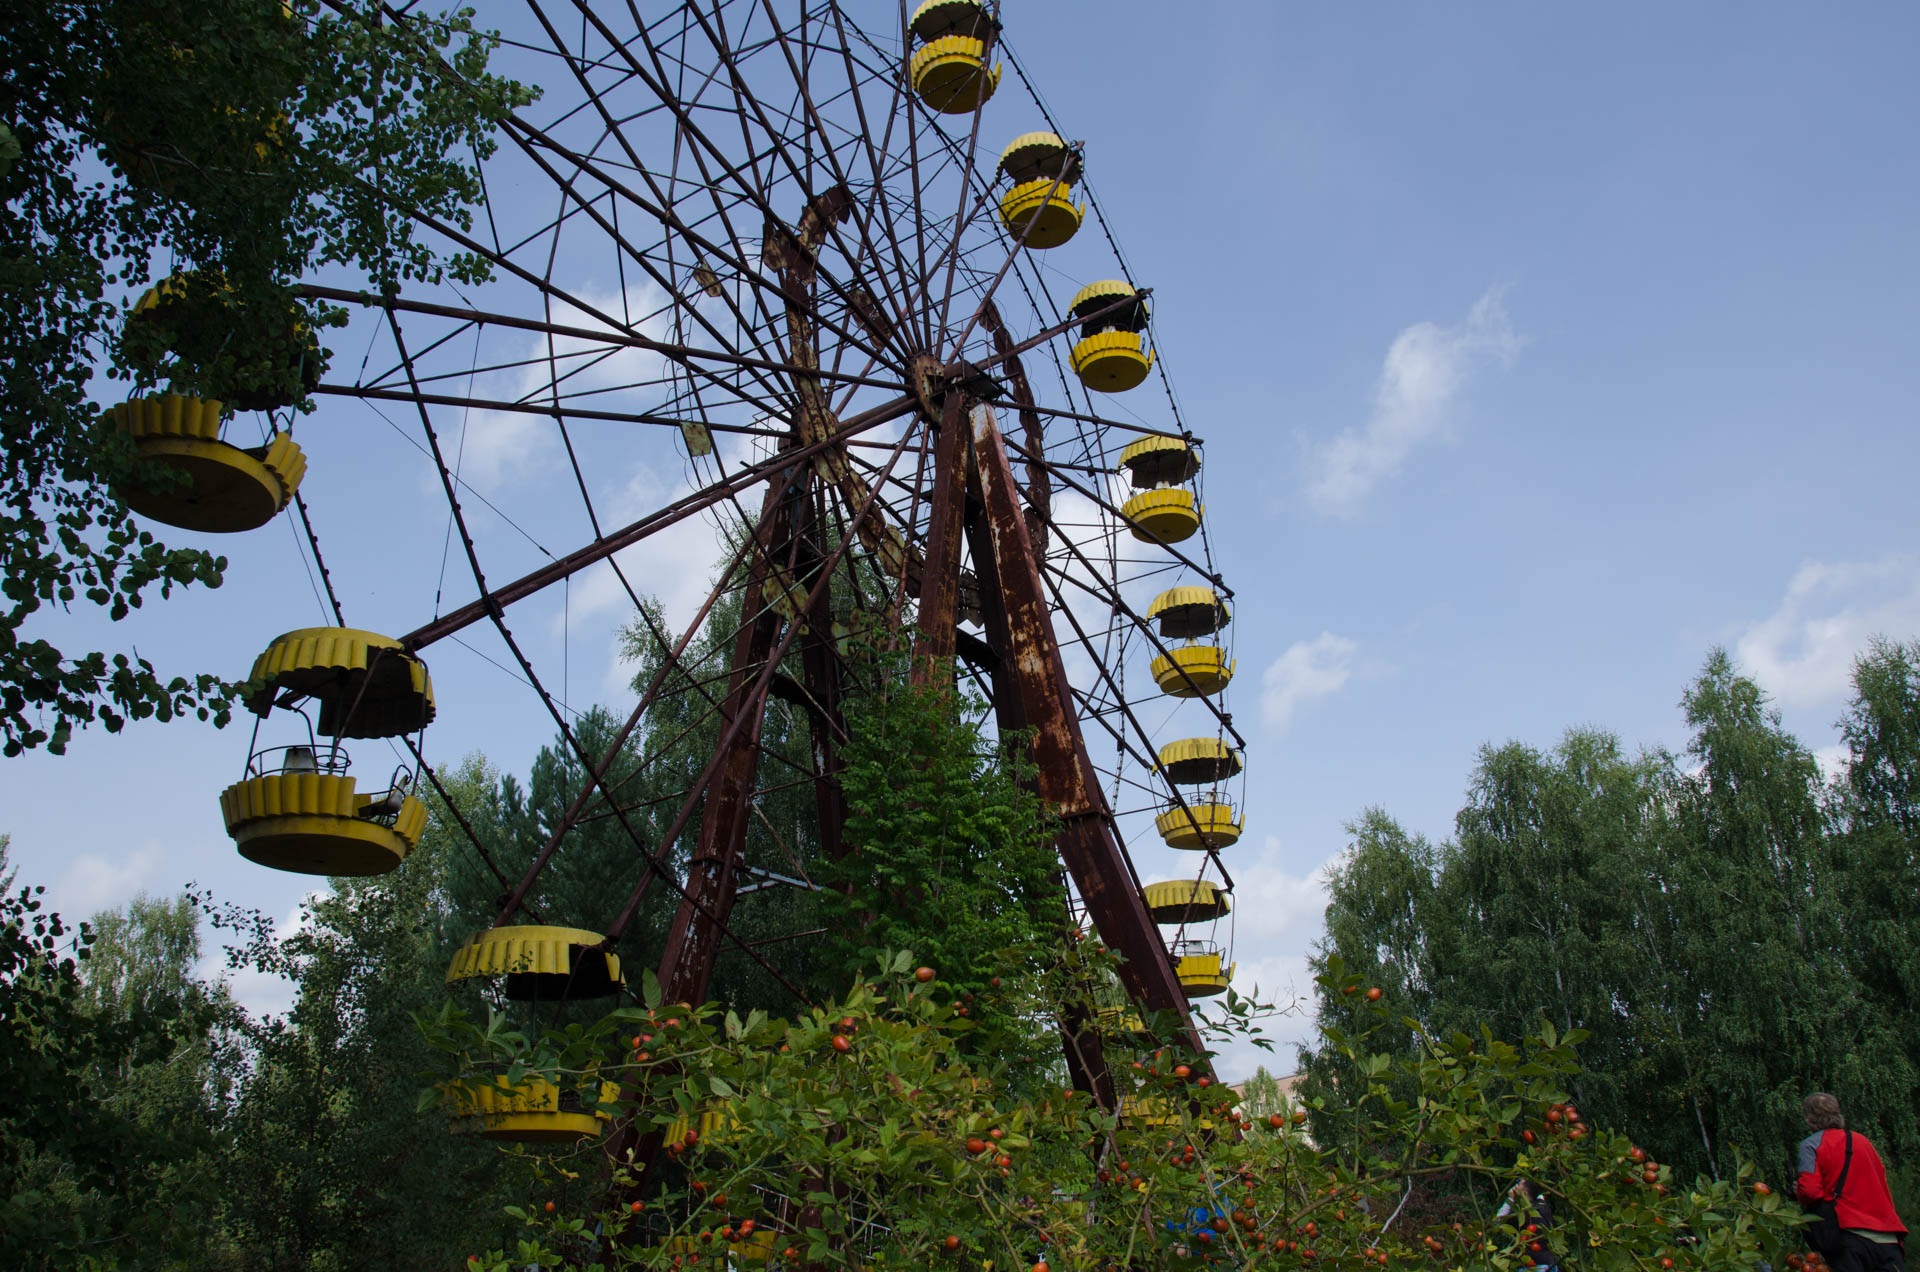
[
  {"x": 297, "y": 808},
  {"x": 1040, "y": 205},
  {"x": 1111, "y": 355},
  {"x": 1192, "y": 761},
  {"x": 1185, "y": 901},
  {"x": 1206, "y": 824},
  {"x": 949, "y": 71},
  {"x": 214, "y": 486},
  {"x": 1192, "y": 671},
  {"x": 545, "y": 963}
]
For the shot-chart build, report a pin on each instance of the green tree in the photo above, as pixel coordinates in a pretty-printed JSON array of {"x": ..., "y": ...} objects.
[
  {"x": 1714, "y": 924},
  {"x": 328, "y": 1160},
  {"x": 246, "y": 144},
  {"x": 106, "y": 1129}
]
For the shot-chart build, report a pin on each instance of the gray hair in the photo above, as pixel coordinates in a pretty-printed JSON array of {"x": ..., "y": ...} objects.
[{"x": 1822, "y": 1112}]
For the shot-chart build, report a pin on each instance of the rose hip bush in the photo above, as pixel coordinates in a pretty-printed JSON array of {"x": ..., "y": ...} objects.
[{"x": 857, "y": 1136}]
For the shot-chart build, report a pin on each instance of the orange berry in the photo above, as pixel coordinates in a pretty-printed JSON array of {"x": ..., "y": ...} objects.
[
  {"x": 549, "y": 1207},
  {"x": 923, "y": 975}
]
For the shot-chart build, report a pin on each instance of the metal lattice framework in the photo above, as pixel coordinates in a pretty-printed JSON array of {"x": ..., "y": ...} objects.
[{"x": 802, "y": 284}]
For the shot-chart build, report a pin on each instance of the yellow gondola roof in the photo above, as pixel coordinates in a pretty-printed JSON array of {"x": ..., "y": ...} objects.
[
  {"x": 937, "y": 18},
  {"x": 1155, "y": 460},
  {"x": 1034, "y": 155},
  {"x": 1185, "y": 901},
  {"x": 1205, "y": 759},
  {"x": 367, "y": 685},
  {"x": 539, "y": 962},
  {"x": 1105, "y": 292},
  {"x": 1203, "y": 599}
]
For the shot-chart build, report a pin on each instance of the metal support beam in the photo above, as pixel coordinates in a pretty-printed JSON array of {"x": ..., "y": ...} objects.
[
  {"x": 946, "y": 519},
  {"x": 1089, "y": 844}
]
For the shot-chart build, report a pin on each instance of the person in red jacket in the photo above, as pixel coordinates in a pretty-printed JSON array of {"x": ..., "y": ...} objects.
[{"x": 1872, "y": 1237}]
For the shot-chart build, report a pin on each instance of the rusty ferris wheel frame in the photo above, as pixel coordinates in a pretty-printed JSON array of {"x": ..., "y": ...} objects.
[{"x": 812, "y": 298}]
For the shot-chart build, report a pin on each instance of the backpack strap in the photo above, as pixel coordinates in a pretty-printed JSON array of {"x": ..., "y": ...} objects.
[{"x": 1846, "y": 1164}]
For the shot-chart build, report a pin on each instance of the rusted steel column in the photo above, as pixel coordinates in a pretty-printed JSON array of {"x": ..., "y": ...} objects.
[
  {"x": 820, "y": 676},
  {"x": 693, "y": 941},
  {"x": 946, "y": 519},
  {"x": 1086, "y": 1059},
  {"x": 1088, "y": 843}
]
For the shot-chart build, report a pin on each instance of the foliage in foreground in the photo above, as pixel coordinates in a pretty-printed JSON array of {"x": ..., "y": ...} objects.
[
  {"x": 858, "y": 1135},
  {"x": 244, "y": 144}
]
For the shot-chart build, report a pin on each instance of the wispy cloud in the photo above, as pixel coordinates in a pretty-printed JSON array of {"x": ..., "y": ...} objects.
[
  {"x": 1426, "y": 368},
  {"x": 1803, "y": 652},
  {"x": 1308, "y": 671}
]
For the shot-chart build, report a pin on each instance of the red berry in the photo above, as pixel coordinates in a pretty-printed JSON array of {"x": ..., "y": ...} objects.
[
  {"x": 1373, "y": 995},
  {"x": 841, "y": 1044},
  {"x": 923, "y": 975}
]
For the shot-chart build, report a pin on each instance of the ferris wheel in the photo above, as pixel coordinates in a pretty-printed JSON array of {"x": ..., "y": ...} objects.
[{"x": 844, "y": 267}]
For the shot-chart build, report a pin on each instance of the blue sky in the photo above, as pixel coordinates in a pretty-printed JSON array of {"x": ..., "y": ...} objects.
[{"x": 1537, "y": 351}]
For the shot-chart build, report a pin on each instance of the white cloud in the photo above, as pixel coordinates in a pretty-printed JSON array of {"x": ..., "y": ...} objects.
[
  {"x": 1832, "y": 760},
  {"x": 1278, "y": 914},
  {"x": 1803, "y": 652},
  {"x": 1308, "y": 671},
  {"x": 1425, "y": 369},
  {"x": 92, "y": 883}
]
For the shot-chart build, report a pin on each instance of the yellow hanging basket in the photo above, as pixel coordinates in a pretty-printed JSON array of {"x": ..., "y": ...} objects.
[
  {"x": 1192, "y": 671},
  {"x": 1199, "y": 826},
  {"x": 1202, "y": 975},
  {"x": 1112, "y": 361},
  {"x": 219, "y": 488},
  {"x": 315, "y": 823},
  {"x": 534, "y": 1111},
  {"x": 950, "y": 74},
  {"x": 755, "y": 1247},
  {"x": 537, "y": 962},
  {"x": 1162, "y": 516}
]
